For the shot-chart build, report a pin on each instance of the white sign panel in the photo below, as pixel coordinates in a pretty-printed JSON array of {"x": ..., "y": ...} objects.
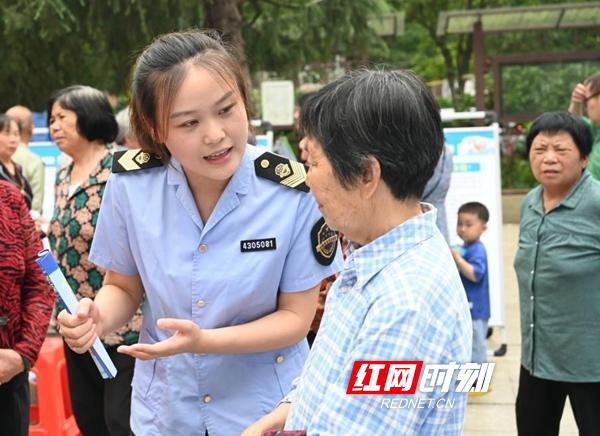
[
  {"x": 277, "y": 102},
  {"x": 50, "y": 155},
  {"x": 476, "y": 177}
]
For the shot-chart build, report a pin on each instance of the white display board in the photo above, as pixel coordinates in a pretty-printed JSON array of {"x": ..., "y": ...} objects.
[
  {"x": 277, "y": 102},
  {"x": 476, "y": 177},
  {"x": 51, "y": 156}
]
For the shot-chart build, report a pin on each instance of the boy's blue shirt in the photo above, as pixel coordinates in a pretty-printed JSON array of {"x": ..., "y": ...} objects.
[{"x": 478, "y": 293}]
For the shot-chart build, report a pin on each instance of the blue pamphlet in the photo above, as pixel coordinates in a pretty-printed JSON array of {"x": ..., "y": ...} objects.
[{"x": 58, "y": 281}]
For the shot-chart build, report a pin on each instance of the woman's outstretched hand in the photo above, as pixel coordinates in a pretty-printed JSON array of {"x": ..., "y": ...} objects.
[{"x": 186, "y": 339}]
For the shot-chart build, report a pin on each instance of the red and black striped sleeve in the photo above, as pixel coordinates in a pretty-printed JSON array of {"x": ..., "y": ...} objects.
[{"x": 37, "y": 297}]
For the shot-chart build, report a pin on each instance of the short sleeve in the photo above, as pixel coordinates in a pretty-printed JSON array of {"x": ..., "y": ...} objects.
[
  {"x": 478, "y": 259},
  {"x": 110, "y": 248},
  {"x": 301, "y": 270}
]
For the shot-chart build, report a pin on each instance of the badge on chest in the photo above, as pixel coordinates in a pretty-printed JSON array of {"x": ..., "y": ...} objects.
[{"x": 258, "y": 245}]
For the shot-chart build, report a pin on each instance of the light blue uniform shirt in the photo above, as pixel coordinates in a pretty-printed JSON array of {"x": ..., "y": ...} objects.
[{"x": 149, "y": 225}]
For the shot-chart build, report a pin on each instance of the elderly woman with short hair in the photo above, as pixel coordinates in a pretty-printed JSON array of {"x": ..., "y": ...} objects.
[
  {"x": 373, "y": 140},
  {"x": 558, "y": 270},
  {"x": 82, "y": 124}
]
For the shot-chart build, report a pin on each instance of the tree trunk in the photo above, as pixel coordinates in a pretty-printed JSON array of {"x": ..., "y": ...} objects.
[
  {"x": 464, "y": 53},
  {"x": 450, "y": 68},
  {"x": 225, "y": 16}
]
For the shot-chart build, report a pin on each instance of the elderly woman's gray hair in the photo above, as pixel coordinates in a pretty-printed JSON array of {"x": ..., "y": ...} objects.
[{"x": 387, "y": 115}]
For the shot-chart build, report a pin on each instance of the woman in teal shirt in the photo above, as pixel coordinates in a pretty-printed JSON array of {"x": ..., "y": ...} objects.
[{"x": 558, "y": 270}]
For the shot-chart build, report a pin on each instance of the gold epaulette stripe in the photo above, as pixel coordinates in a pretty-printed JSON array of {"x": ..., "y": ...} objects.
[
  {"x": 298, "y": 175},
  {"x": 127, "y": 162}
]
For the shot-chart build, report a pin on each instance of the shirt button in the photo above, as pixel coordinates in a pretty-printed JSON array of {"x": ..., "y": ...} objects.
[
  {"x": 201, "y": 303},
  {"x": 207, "y": 399},
  {"x": 532, "y": 298},
  {"x": 202, "y": 248},
  {"x": 279, "y": 359},
  {"x": 531, "y": 325},
  {"x": 531, "y": 271}
]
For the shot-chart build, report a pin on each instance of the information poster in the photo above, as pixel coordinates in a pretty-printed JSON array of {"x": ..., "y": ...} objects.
[
  {"x": 476, "y": 177},
  {"x": 277, "y": 102}
]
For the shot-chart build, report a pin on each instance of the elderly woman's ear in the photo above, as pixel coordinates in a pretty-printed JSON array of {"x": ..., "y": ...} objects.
[{"x": 371, "y": 177}]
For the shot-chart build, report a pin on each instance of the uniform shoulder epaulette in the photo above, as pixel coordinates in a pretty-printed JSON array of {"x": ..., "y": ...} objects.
[
  {"x": 281, "y": 170},
  {"x": 133, "y": 160}
]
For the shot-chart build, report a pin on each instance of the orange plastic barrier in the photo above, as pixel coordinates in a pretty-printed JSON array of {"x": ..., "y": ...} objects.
[{"x": 50, "y": 413}]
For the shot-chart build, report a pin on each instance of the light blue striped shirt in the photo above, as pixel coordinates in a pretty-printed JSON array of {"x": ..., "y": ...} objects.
[{"x": 398, "y": 298}]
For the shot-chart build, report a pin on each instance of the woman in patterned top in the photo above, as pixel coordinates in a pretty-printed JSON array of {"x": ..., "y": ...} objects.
[
  {"x": 82, "y": 123},
  {"x": 26, "y": 303},
  {"x": 10, "y": 133}
]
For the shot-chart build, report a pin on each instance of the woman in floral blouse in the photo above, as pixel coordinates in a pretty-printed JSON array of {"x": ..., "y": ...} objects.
[{"x": 82, "y": 124}]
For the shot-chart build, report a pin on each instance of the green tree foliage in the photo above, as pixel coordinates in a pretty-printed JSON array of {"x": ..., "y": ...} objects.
[
  {"x": 284, "y": 36},
  {"x": 531, "y": 89},
  {"x": 455, "y": 50},
  {"x": 49, "y": 44},
  {"x": 537, "y": 88},
  {"x": 451, "y": 56}
]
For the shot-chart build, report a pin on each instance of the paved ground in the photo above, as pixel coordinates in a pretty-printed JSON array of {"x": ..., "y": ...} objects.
[{"x": 494, "y": 414}]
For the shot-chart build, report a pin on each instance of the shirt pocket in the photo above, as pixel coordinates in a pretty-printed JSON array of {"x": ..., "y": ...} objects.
[
  {"x": 150, "y": 378},
  {"x": 289, "y": 370},
  {"x": 276, "y": 371}
]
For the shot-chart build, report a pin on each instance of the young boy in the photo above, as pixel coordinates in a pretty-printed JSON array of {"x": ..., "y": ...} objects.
[{"x": 472, "y": 265}]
